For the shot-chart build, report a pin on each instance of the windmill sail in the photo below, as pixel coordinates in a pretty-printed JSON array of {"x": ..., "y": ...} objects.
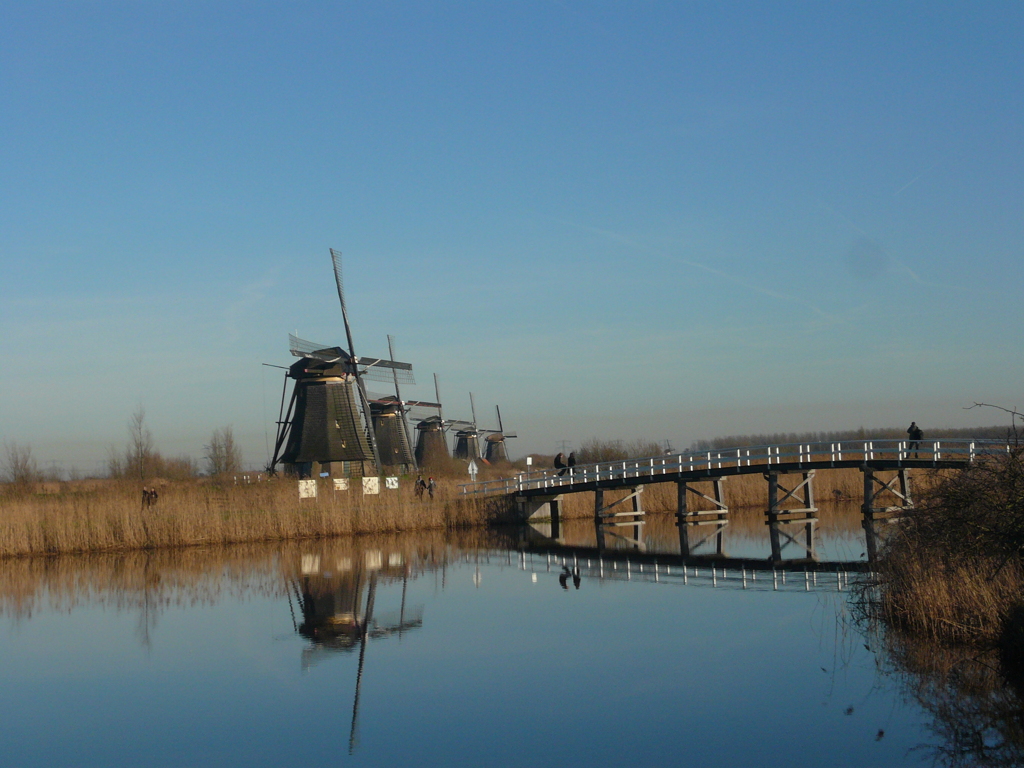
[{"x": 370, "y": 368}]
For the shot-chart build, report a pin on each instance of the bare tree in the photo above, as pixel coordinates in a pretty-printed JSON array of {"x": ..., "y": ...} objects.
[
  {"x": 223, "y": 455},
  {"x": 115, "y": 462},
  {"x": 140, "y": 454},
  {"x": 20, "y": 467}
]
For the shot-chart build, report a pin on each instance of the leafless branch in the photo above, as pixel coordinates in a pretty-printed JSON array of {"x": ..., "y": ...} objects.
[{"x": 1012, "y": 411}]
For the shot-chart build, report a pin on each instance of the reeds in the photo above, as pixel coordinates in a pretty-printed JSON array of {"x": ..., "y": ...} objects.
[
  {"x": 111, "y": 517},
  {"x": 953, "y": 570}
]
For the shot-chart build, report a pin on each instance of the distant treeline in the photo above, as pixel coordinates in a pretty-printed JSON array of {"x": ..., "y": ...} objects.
[{"x": 894, "y": 433}]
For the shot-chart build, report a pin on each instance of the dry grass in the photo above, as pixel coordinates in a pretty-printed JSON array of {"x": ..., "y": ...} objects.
[
  {"x": 108, "y": 516},
  {"x": 953, "y": 569},
  {"x": 961, "y": 602}
]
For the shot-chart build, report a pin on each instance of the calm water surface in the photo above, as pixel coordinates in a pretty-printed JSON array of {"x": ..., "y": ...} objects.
[{"x": 474, "y": 654}]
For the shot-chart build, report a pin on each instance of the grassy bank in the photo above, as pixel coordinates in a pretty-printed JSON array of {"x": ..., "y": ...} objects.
[
  {"x": 103, "y": 516},
  {"x": 953, "y": 570}
]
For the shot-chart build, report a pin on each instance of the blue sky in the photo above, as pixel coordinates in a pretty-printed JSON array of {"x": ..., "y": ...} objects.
[{"x": 666, "y": 220}]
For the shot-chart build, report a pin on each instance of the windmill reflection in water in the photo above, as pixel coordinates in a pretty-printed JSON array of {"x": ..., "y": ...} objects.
[{"x": 336, "y": 602}]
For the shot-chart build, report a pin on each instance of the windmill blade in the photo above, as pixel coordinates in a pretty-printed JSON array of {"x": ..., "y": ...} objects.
[
  {"x": 305, "y": 348},
  {"x": 501, "y": 428},
  {"x": 336, "y": 261},
  {"x": 437, "y": 394},
  {"x": 421, "y": 404},
  {"x": 371, "y": 368},
  {"x": 377, "y": 369}
]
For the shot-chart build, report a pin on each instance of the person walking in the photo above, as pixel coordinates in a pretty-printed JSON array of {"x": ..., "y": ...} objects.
[
  {"x": 915, "y": 434},
  {"x": 421, "y": 486},
  {"x": 431, "y": 488}
]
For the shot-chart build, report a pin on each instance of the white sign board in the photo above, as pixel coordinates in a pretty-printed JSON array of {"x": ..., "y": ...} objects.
[
  {"x": 307, "y": 489},
  {"x": 529, "y": 461},
  {"x": 341, "y": 483},
  {"x": 473, "y": 470},
  {"x": 371, "y": 485},
  {"x": 391, "y": 483}
]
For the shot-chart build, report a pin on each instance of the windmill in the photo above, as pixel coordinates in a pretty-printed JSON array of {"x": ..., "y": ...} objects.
[
  {"x": 329, "y": 417},
  {"x": 467, "y": 438},
  {"x": 431, "y": 443},
  {"x": 496, "y": 450},
  {"x": 467, "y": 443},
  {"x": 390, "y": 425}
]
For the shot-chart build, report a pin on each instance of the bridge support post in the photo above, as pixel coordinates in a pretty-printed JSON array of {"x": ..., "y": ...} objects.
[
  {"x": 606, "y": 522},
  {"x": 541, "y": 511},
  {"x": 688, "y": 522},
  {"x": 781, "y": 517},
  {"x": 875, "y": 516}
]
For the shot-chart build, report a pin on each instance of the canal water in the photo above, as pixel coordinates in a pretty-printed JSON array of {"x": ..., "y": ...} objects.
[{"x": 469, "y": 648}]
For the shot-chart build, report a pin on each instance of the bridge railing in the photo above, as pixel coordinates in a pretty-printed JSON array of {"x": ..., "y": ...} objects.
[{"x": 834, "y": 453}]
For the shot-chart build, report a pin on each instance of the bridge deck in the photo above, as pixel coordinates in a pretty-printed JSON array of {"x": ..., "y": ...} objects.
[{"x": 693, "y": 467}]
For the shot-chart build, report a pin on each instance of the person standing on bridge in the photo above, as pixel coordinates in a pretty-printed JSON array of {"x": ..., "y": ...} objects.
[
  {"x": 571, "y": 462},
  {"x": 915, "y": 434}
]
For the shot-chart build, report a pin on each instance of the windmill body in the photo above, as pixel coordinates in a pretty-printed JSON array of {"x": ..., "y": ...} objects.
[
  {"x": 327, "y": 424},
  {"x": 467, "y": 444},
  {"x": 495, "y": 451},
  {"x": 431, "y": 443},
  {"x": 389, "y": 429}
]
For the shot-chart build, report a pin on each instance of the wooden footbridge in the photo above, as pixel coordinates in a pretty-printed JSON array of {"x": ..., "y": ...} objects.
[{"x": 788, "y": 469}]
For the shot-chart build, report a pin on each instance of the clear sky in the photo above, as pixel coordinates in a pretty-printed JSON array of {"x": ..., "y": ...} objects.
[{"x": 615, "y": 220}]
